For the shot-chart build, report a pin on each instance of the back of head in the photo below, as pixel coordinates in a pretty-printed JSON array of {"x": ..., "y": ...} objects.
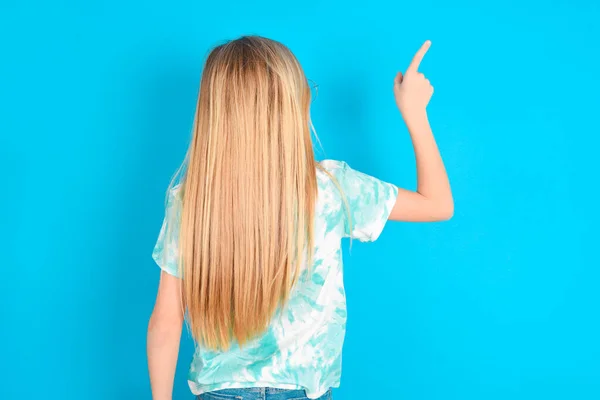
[{"x": 249, "y": 191}]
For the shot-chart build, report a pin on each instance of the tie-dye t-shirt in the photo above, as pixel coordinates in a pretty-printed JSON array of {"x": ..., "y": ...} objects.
[{"x": 302, "y": 347}]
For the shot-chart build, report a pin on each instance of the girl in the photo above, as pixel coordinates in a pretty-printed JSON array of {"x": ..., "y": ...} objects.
[{"x": 250, "y": 244}]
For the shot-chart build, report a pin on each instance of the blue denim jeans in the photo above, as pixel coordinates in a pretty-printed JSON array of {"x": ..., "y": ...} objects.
[{"x": 259, "y": 394}]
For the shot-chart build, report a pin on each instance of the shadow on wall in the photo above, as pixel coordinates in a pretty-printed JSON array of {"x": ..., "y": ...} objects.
[
  {"x": 344, "y": 107},
  {"x": 161, "y": 129}
]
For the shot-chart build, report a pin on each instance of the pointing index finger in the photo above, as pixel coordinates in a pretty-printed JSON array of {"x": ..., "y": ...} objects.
[{"x": 416, "y": 61}]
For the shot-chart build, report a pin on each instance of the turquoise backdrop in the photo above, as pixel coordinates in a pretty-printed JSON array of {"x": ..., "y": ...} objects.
[{"x": 502, "y": 302}]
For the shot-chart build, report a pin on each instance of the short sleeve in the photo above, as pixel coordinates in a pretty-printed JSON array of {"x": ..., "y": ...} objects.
[
  {"x": 370, "y": 201},
  {"x": 166, "y": 249}
]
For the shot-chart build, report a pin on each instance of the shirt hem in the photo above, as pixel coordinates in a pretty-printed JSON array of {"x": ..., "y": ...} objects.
[{"x": 198, "y": 389}]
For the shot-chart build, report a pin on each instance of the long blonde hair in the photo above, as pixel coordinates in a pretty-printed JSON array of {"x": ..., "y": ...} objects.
[{"x": 249, "y": 191}]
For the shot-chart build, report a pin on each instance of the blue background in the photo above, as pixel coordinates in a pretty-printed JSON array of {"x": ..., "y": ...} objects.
[{"x": 502, "y": 302}]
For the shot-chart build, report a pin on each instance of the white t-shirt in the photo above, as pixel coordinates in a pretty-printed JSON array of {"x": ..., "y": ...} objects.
[{"x": 302, "y": 347}]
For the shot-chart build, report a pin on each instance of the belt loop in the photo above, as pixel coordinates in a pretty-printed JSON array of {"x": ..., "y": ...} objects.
[{"x": 263, "y": 393}]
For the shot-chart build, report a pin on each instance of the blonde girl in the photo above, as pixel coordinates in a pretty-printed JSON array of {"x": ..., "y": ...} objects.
[{"x": 250, "y": 244}]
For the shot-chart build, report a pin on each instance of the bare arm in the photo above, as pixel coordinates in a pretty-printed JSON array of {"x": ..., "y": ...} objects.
[
  {"x": 164, "y": 334},
  {"x": 433, "y": 199}
]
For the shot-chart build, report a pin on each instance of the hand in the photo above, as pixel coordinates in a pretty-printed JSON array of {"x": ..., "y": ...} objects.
[{"x": 413, "y": 91}]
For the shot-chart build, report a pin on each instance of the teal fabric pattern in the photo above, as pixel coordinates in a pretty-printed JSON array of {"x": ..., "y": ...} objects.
[{"x": 302, "y": 347}]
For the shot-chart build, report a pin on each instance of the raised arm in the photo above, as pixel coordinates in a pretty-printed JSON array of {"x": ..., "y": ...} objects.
[{"x": 433, "y": 199}]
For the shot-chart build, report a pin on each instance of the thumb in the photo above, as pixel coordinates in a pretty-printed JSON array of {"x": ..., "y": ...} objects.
[{"x": 399, "y": 78}]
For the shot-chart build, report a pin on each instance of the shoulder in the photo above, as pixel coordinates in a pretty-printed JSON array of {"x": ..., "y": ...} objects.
[
  {"x": 332, "y": 169},
  {"x": 342, "y": 173},
  {"x": 175, "y": 192},
  {"x": 333, "y": 165},
  {"x": 174, "y": 198}
]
